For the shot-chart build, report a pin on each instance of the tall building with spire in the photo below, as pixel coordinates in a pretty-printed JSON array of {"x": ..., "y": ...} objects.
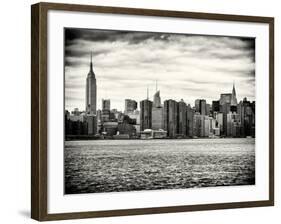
[
  {"x": 233, "y": 101},
  {"x": 157, "y": 112},
  {"x": 91, "y": 91}
]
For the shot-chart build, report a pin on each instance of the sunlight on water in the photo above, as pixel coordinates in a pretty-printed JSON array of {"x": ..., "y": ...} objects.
[{"x": 132, "y": 165}]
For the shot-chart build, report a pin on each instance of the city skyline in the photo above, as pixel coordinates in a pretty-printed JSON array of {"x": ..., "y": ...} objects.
[
  {"x": 174, "y": 81},
  {"x": 151, "y": 98}
]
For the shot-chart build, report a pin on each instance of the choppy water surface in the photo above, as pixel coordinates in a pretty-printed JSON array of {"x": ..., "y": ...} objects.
[{"x": 126, "y": 165}]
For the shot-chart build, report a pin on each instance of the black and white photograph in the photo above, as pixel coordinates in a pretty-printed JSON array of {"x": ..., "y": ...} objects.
[{"x": 157, "y": 111}]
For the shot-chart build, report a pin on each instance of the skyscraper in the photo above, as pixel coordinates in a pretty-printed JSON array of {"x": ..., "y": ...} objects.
[
  {"x": 157, "y": 112},
  {"x": 156, "y": 98},
  {"x": 182, "y": 119},
  {"x": 246, "y": 110},
  {"x": 233, "y": 97},
  {"x": 91, "y": 91},
  {"x": 233, "y": 125},
  {"x": 189, "y": 121},
  {"x": 171, "y": 117},
  {"x": 225, "y": 109},
  {"x": 233, "y": 102},
  {"x": 145, "y": 114}
]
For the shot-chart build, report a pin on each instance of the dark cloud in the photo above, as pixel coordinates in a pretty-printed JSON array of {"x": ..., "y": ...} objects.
[
  {"x": 80, "y": 53},
  {"x": 73, "y": 34},
  {"x": 73, "y": 63}
]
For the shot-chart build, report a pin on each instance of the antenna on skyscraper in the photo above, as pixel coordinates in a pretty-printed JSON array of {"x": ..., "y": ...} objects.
[
  {"x": 147, "y": 92},
  {"x": 156, "y": 85},
  {"x": 91, "y": 63}
]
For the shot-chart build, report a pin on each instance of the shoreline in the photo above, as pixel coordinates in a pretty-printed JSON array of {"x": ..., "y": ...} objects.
[{"x": 133, "y": 139}]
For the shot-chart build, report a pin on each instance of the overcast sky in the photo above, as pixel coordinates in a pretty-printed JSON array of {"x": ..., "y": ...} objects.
[{"x": 186, "y": 67}]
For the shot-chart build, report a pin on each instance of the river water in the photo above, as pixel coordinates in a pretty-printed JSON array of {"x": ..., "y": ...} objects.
[{"x": 133, "y": 165}]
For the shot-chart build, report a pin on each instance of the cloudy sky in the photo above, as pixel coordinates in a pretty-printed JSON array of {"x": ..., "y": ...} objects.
[{"x": 186, "y": 67}]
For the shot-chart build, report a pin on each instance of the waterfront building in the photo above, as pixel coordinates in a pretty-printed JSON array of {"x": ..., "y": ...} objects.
[
  {"x": 75, "y": 128},
  {"x": 171, "y": 117},
  {"x": 216, "y": 131},
  {"x": 91, "y": 91},
  {"x": 225, "y": 109},
  {"x": 157, "y": 112},
  {"x": 130, "y": 106},
  {"x": 213, "y": 126},
  {"x": 153, "y": 134},
  {"x": 157, "y": 121},
  {"x": 233, "y": 125},
  {"x": 189, "y": 121},
  {"x": 109, "y": 128},
  {"x": 75, "y": 124},
  {"x": 137, "y": 127},
  {"x": 201, "y": 125},
  {"x": 182, "y": 118},
  {"x": 219, "y": 121},
  {"x": 158, "y": 134},
  {"x": 126, "y": 129},
  {"x": 198, "y": 123},
  {"x": 91, "y": 121},
  {"x": 121, "y": 136},
  {"x": 246, "y": 110},
  {"x": 145, "y": 114}
]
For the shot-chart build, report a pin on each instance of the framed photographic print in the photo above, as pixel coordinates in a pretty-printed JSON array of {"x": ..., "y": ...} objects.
[{"x": 139, "y": 111}]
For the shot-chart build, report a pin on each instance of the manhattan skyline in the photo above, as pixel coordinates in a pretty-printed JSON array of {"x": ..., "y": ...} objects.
[{"x": 186, "y": 67}]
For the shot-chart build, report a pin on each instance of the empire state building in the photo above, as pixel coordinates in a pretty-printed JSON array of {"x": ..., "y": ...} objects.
[{"x": 91, "y": 91}]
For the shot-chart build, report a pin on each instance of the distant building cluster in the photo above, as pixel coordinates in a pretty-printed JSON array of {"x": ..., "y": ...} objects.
[{"x": 224, "y": 117}]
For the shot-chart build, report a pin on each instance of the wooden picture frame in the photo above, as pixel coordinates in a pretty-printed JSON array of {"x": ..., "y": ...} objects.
[{"x": 39, "y": 108}]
